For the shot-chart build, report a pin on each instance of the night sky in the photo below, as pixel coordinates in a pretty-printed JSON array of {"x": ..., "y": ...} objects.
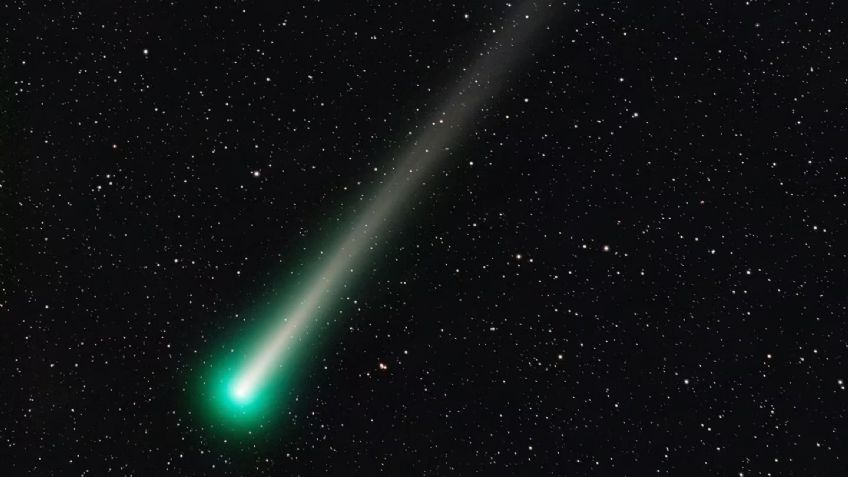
[{"x": 632, "y": 261}]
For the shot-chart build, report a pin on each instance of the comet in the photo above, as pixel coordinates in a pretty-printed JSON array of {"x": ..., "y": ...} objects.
[{"x": 482, "y": 80}]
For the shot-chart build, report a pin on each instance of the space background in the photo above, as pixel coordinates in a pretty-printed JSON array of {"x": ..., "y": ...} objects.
[{"x": 631, "y": 262}]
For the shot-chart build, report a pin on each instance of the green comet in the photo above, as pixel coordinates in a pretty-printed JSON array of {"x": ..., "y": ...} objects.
[{"x": 251, "y": 384}]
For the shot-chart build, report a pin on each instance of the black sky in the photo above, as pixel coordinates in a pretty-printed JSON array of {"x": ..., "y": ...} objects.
[{"x": 635, "y": 263}]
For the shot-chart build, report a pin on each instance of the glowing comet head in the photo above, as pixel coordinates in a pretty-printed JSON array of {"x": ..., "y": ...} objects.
[
  {"x": 241, "y": 392},
  {"x": 252, "y": 384},
  {"x": 237, "y": 404}
]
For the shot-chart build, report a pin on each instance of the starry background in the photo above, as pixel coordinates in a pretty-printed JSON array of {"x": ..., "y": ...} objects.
[{"x": 633, "y": 264}]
